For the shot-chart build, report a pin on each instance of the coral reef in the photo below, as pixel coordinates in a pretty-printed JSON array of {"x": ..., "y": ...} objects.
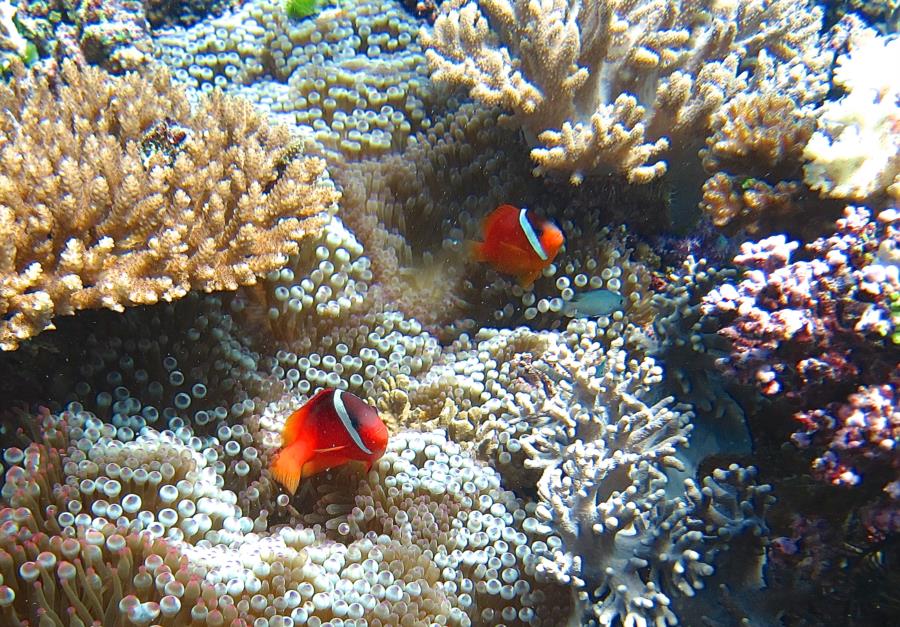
[
  {"x": 860, "y": 437},
  {"x": 596, "y": 448},
  {"x": 754, "y": 156},
  {"x": 12, "y": 44},
  {"x": 606, "y": 86},
  {"x": 143, "y": 367},
  {"x": 116, "y": 192},
  {"x": 818, "y": 336},
  {"x": 151, "y": 518},
  {"x": 604, "y": 489},
  {"x": 883, "y": 15},
  {"x": 185, "y": 13},
  {"x": 689, "y": 345},
  {"x": 178, "y": 509}
]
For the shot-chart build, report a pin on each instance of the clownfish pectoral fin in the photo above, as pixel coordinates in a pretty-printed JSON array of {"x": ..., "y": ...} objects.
[
  {"x": 329, "y": 450},
  {"x": 287, "y": 467},
  {"x": 293, "y": 426},
  {"x": 320, "y": 463},
  {"x": 527, "y": 280},
  {"x": 476, "y": 251}
]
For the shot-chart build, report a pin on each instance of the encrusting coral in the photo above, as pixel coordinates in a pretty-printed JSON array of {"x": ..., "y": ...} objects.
[
  {"x": 116, "y": 192},
  {"x": 605, "y": 86}
]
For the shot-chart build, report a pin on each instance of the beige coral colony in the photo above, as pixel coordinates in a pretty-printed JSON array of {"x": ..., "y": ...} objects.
[{"x": 212, "y": 210}]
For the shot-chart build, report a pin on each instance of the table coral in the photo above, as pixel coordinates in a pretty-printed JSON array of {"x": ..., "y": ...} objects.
[{"x": 115, "y": 192}]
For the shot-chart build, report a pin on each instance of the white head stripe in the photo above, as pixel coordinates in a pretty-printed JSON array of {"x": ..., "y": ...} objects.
[
  {"x": 531, "y": 235},
  {"x": 348, "y": 424}
]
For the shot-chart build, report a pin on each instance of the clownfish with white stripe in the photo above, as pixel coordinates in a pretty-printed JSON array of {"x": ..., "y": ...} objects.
[
  {"x": 518, "y": 242},
  {"x": 332, "y": 428}
]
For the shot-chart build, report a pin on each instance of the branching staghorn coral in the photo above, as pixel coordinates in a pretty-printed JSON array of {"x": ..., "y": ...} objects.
[
  {"x": 608, "y": 86},
  {"x": 115, "y": 192}
]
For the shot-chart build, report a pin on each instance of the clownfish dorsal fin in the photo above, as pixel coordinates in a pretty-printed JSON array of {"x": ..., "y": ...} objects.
[
  {"x": 350, "y": 425},
  {"x": 531, "y": 235}
]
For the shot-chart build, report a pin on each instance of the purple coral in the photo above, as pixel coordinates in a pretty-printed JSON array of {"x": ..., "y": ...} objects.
[
  {"x": 810, "y": 328},
  {"x": 859, "y": 436},
  {"x": 821, "y": 333}
]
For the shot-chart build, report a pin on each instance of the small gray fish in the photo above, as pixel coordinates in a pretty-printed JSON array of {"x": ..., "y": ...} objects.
[{"x": 594, "y": 303}]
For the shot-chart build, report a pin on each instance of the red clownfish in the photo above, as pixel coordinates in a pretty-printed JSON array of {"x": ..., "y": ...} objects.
[
  {"x": 518, "y": 242},
  {"x": 332, "y": 428}
]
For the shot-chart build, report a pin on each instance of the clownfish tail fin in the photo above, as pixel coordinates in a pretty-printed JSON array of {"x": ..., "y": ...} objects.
[{"x": 287, "y": 467}]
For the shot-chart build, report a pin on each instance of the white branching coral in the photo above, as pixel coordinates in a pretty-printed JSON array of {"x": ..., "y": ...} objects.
[
  {"x": 855, "y": 152},
  {"x": 608, "y": 85}
]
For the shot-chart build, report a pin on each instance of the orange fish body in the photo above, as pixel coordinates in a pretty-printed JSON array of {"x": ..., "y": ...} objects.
[
  {"x": 518, "y": 242},
  {"x": 331, "y": 429}
]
